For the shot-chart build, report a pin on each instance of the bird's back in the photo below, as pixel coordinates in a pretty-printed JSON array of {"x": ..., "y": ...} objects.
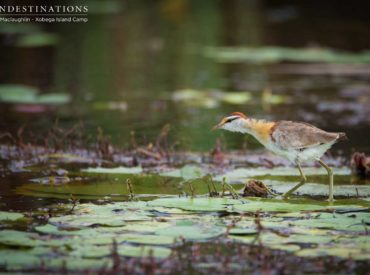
[{"x": 298, "y": 135}]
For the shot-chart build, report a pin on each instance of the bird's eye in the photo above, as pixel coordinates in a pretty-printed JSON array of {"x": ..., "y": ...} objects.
[{"x": 230, "y": 119}]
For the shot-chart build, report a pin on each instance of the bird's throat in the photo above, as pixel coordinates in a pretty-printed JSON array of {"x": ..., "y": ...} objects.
[{"x": 260, "y": 129}]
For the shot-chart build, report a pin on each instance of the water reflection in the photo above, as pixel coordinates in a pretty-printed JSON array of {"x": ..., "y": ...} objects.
[{"x": 145, "y": 51}]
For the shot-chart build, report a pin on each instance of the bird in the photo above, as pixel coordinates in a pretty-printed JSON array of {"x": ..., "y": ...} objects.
[{"x": 298, "y": 142}]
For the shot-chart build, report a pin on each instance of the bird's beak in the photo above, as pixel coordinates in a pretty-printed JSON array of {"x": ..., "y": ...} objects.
[
  {"x": 214, "y": 128},
  {"x": 218, "y": 126}
]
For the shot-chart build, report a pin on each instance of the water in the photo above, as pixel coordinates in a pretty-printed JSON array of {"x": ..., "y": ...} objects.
[
  {"x": 123, "y": 68},
  {"x": 142, "y": 52}
]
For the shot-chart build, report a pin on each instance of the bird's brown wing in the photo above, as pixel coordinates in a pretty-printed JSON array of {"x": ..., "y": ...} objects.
[{"x": 299, "y": 135}]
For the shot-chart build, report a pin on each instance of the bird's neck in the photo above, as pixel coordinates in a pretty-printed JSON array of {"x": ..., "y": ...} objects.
[{"x": 260, "y": 129}]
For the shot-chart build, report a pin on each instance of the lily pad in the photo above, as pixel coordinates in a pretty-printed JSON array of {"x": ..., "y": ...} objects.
[
  {"x": 77, "y": 263},
  {"x": 236, "y": 98},
  {"x": 54, "y": 98},
  {"x": 342, "y": 252},
  {"x": 92, "y": 251},
  {"x": 10, "y": 216},
  {"x": 149, "y": 239},
  {"x": 116, "y": 170},
  {"x": 18, "y": 238},
  {"x": 196, "y": 204},
  {"x": 17, "y": 94},
  {"x": 192, "y": 232},
  {"x": 275, "y": 206},
  {"x": 144, "y": 251},
  {"x": 17, "y": 260},
  {"x": 88, "y": 220},
  {"x": 20, "y": 94},
  {"x": 278, "y": 54}
]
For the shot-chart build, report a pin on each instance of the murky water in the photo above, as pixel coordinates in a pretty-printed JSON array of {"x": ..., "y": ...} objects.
[
  {"x": 124, "y": 68},
  {"x": 143, "y": 52}
]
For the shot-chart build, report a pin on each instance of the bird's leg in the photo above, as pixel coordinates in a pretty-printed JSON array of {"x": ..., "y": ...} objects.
[
  {"x": 331, "y": 179},
  {"x": 303, "y": 181}
]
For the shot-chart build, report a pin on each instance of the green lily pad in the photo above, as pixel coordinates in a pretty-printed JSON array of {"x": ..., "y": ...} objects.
[
  {"x": 10, "y": 216},
  {"x": 20, "y": 94},
  {"x": 196, "y": 204},
  {"x": 146, "y": 226},
  {"x": 275, "y": 206},
  {"x": 77, "y": 263},
  {"x": 88, "y": 220},
  {"x": 236, "y": 98},
  {"x": 144, "y": 251},
  {"x": 342, "y": 252},
  {"x": 17, "y": 260},
  {"x": 192, "y": 232},
  {"x": 116, "y": 170},
  {"x": 18, "y": 238},
  {"x": 53, "y": 98},
  {"x": 149, "y": 239},
  {"x": 17, "y": 94},
  {"x": 92, "y": 251},
  {"x": 278, "y": 54}
]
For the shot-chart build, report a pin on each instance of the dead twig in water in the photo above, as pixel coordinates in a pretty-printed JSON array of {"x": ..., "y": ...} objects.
[
  {"x": 212, "y": 191},
  {"x": 74, "y": 202},
  {"x": 230, "y": 188},
  {"x": 131, "y": 195},
  {"x": 191, "y": 189}
]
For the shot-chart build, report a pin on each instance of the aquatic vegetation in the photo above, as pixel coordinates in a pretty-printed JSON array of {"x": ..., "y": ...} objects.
[
  {"x": 19, "y": 94},
  {"x": 279, "y": 54},
  {"x": 305, "y": 228}
]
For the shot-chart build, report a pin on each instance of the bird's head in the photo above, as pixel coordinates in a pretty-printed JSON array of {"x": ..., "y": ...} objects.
[{"x": 232, "y": 122}]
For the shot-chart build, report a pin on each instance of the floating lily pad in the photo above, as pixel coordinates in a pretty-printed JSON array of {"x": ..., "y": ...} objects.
[
  {"x": 343, "y": 252},
  {"x": 196, "y": 204},
  {"x": 17, "y": 260},
  {"x": 53, "y": 98},
  {"x": 92, "y": 251},
  {"x": 278, "y": 54},
  {"x": 116, "y": 170},
  {"x": 89, "y": 220},
  {"x": 146, "y": 226},
  {"x": 18, "y": 238},
  {"x": 149, "y": 239},
  {"x": 10, "y": 216},
  {"x": 192, "y": 232},
  {"x": 236, "y": 98},
  {"x": 77, "y": 263},
  {"x": 144, "y": 251},
  {"x": 18, "y": 94},
  {"x": 275, "y": 206}
]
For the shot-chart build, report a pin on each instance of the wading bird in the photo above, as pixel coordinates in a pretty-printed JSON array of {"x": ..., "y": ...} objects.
[{"x": 296, "y": 141}]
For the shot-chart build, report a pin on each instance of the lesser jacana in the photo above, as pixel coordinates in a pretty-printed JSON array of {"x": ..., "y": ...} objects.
[{"x": 298, "y": 142}]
